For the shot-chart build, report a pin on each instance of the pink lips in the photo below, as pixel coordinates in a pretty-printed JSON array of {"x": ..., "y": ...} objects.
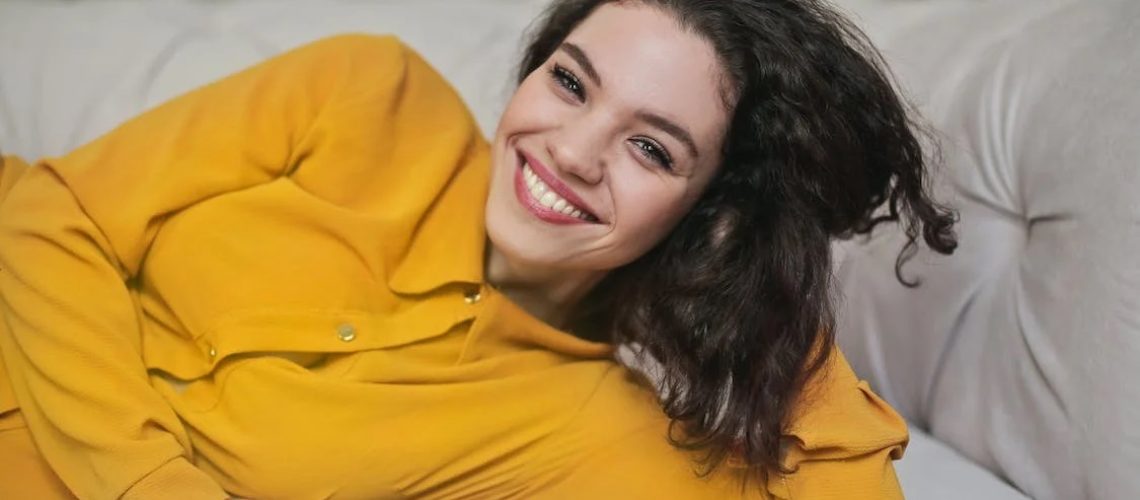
[{"x": 522, "y": 191}]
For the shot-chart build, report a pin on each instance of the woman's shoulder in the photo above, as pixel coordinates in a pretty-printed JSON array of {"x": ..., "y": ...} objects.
[
  {"x": 838, "y": 415},
  {"x": 841, "y": 439}
]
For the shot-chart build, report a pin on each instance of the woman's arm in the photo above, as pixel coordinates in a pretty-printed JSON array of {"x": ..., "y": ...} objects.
[{"x": 74, "y": 232}]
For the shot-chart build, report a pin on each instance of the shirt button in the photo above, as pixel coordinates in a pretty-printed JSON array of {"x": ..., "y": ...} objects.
[
  {"x": 346, "y": 332},
  {"x": 472, "y": 296},
  {"x": 213, "y": 352}
]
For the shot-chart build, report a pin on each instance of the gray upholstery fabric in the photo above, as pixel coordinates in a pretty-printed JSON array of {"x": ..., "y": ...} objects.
[
  {"x": 73, "y": 70},
  {"x": 931, "y": 470},
  {"x": 1017, "y": 351}
]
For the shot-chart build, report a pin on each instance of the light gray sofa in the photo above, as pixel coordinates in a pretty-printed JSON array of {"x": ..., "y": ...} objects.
[
  {"x": 1014, "y": 359},
  {"x": 1022, "y": 351}
]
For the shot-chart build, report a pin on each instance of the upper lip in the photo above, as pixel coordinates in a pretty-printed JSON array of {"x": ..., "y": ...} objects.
[{"x": 560, "y": 188}]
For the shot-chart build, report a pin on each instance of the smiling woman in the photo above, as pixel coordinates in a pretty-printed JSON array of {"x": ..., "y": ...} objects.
[
  {"x": 303, "y": 302},
  {"x": 610, "y": 126}
]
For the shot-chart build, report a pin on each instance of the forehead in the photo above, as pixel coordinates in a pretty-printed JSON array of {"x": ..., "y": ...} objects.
[{"x": 647, "y": 61}]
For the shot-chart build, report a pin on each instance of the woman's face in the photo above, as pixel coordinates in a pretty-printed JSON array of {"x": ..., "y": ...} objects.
[{"x": 608, "y": 144}]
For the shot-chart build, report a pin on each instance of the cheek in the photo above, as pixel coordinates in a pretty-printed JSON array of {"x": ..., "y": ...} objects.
[
  {"x": 647, "y": 208},
  {"x": 531, "y": 107}
]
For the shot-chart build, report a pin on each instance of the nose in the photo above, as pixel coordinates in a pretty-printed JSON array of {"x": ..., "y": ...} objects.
[{"x": 577, "y": 151}]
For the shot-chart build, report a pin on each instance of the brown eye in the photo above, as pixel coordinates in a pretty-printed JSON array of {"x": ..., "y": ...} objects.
[
  {"x": 653, "y": 151},
  {"x": 566, "y": 79}
]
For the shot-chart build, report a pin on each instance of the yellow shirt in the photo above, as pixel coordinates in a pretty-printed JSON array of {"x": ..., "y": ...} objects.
[{"x": 271, "y": 287}]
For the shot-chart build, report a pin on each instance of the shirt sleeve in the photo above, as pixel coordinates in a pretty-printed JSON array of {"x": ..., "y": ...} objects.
[
  {"x": 643, "y": 464},
  {"x": 866, "y": 477},
  {"x": 839, "y": 445},
  {"x": 618, "y": 447},
  {"x": 842, "y": 441},
  {"x": 74, "y": 232}
]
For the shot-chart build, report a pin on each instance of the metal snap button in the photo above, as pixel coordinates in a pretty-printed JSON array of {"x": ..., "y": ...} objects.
[
  {"x": 346, "y": 332},
  {"x": 472, "y": 296}
]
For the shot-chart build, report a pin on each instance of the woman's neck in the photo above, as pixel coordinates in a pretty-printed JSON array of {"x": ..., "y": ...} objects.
[{"x": 547, "y": 294}]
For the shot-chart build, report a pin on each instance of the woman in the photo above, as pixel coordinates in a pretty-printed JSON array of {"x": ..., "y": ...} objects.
[{"x": 278, "y": 284}]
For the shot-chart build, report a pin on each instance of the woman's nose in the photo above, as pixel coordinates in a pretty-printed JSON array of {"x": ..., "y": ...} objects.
[{"x": 579, "y": 153}]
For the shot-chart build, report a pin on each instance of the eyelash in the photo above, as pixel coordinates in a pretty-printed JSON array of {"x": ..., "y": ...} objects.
[
  {"x": 655, "y": 152},
  {"x": 565, "y": 79},
  {"x": 646, "y": 147}
]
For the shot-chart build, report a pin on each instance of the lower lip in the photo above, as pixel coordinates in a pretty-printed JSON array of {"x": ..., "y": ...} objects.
[{"x": 533, "y": 206}]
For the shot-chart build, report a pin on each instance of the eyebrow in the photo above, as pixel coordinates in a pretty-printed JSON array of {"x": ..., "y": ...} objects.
[
  {"x": 672, "y": 129},
  {"x": 658, "y": 121},
  {"x": 579, "y": 55}
]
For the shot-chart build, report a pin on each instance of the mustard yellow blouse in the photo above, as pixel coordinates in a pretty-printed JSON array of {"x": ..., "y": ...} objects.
[{"x": 271, "y": 287}]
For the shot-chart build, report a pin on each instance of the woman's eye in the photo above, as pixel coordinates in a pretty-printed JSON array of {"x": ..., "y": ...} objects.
[
  {"x": 654, "y": 152},
  {"x": 565, "y": 79}
]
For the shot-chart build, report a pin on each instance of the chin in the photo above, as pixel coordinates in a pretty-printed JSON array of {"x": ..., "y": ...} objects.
[{"x": 518, "y": 246}]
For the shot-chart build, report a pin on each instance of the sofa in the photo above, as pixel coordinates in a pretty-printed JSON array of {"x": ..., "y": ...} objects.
[
  {"x": 1010, "y": 361},
  {"x": 1015, "y": 353}
]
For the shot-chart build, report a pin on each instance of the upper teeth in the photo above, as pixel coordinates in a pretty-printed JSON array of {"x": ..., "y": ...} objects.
[{"x": 548, "y": 198}]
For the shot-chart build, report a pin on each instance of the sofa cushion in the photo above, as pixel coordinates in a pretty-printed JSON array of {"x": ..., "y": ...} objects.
[
  {"x": 931, "y": 470},
  {"x": 1016, "y": 350}
]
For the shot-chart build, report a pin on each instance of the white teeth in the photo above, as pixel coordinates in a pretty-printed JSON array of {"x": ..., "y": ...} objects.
[{"x": 547, "y": 198}]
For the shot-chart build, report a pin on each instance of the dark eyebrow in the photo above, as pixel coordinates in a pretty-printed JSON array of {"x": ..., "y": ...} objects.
[
  {"x": 579, "y": 55},
  {"x": 670, "y": 128}
]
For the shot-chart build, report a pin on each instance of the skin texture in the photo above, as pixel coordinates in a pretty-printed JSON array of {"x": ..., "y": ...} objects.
[{"x": 596, "y": 139}]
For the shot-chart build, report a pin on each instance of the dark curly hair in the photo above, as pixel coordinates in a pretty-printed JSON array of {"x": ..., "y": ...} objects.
[{"x": 735, "y": 303}]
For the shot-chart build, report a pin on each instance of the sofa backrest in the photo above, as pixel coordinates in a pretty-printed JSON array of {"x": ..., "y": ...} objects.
[
  {"x": 73, "y": 70},
  {"x": 1017, "y": 350}
]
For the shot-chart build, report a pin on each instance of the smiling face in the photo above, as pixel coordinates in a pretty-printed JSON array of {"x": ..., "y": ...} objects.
[{"x": 607, "y": 144}]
